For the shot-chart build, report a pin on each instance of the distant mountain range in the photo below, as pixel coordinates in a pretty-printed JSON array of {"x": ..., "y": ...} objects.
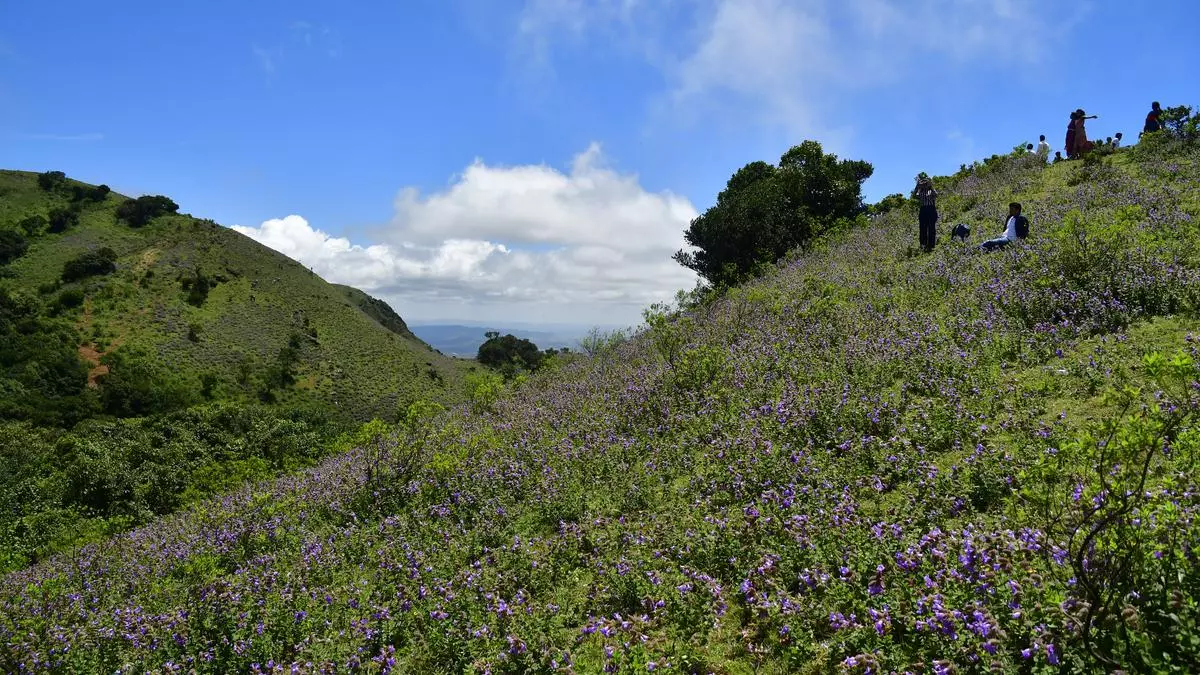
[{"x": 464, "y": 340}]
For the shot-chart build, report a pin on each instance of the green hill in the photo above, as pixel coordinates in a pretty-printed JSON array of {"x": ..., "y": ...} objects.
[
  {"x": 868, "y": 460},
  {"x": 225, "y": 316}
]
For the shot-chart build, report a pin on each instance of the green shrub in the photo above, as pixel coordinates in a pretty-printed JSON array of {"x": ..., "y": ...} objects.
[
  {"x": 90, "y": 264},
  {"x": 485, "y": 388},
  {"x": 12, "y": 246},
  {"x": 62, "y": 219},
  {"x": 51, "y": 180},
  {"x": 33, "y": 225},
  {"x": 137, "y": 385},
  {"x": 69, "y": 298}
]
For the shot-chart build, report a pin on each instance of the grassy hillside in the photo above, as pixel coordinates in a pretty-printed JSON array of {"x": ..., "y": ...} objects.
[
  {"x": 872, "y": 460},
  {"x": 216, "y": 308}
]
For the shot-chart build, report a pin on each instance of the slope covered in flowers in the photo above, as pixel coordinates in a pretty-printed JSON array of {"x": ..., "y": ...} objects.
[{"x": 871, "y": 460}]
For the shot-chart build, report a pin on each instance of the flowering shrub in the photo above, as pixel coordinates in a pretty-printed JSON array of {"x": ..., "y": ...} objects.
[{"x": 862, "y": 462}]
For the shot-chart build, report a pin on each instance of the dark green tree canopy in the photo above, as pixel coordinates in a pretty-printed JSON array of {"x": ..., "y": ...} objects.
[
  {"x": 92, "y": 263},
  {"x": 765, "y": 211},
  {"x": 51, "y": 180},
  {"x": 509, "y": 353},
  {"x": 138, "y": 212},
  {"x": 62, "y": 219},
  {"x": 12, "y": 246},
  {"x": 888, "y": 203}
]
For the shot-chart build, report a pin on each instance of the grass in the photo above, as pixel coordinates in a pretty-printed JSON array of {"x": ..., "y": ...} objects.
[
  {"x": 363, "y": 361},
  {"x": 870, "y": 460}
]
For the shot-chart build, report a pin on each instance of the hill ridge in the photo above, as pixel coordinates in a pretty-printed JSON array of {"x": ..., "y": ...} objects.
[
  {"x": 206, "y": 299},
  {"x": 869, "y": 460}
]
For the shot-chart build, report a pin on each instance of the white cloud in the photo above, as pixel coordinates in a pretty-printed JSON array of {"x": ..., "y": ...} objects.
[
  {"x": 511, "y": 242},
  {"x": 793, "y": 65}
]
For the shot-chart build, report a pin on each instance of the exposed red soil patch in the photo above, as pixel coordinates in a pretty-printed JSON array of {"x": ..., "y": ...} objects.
[{"x": 88, "y": 353}]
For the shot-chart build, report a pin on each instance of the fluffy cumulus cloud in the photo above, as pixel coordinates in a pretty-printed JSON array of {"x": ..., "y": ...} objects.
[
  {"x": 588, "y": 245},
  {"x": 792, "y": 63}
]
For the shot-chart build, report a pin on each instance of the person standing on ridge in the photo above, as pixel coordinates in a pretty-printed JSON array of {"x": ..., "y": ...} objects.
[
  {"x": 1043, "y": 148},
  {"x": 1082, "y": 144},
  {"x": 1070, "y": 145},
  {"x": 927, "y": 217},
  {"x": 1116, "y": 142},
  {"x": 1152, "y": 121}
]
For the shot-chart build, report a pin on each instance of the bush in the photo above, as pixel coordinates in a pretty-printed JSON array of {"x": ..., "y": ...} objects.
[
  {"x": 12, "y": 246},
  {"x": 33, "y": 225},
  {"x": 71, "y": 297},
  {"x": 63, "y": 219},
  {"x": 136, "y": 385},
  {"x": 888, "y": 203},
  {"x": 42, "y": 378},
  {"x": 139, "y": 212},
  {"x": 90, "y": 264},
  {"x": 80, "y": 193},
  {"x": 51, "y": 180},
  {"x": 197, "y": 289}
]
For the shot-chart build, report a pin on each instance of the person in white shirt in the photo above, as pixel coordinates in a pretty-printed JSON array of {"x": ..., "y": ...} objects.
[
  {"x": 1043, "y": 148},
  {"x": 1016, "y": 227},
  {"x": 1116, "y": 142}
]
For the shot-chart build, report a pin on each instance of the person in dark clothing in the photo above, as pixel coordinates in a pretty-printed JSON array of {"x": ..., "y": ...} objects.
[
  {"x": 1152, "y": 121},
  {"x": 1057, "y": 157},
  {"x": 1070, "y": 147},
  {"x": 927, "y": 217}
]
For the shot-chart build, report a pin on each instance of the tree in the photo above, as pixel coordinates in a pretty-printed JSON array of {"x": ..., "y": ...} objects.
[
  {"x": 42, "y": 377},
  {"x": 12, "y": 246},
  {"x": 1181, "y": 123},
  {"x": 139, "y": 212},
  {"x": 888, "y": 203},
  {"x": 509, "y": 353},
  {"x": 766, "y": 211},
  {"x": 81, "y": 193}
]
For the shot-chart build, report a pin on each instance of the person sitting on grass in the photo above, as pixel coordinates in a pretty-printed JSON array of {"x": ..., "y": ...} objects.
[
  {"x": 1016, "y": 227},
  {"x": 1058, "y": 156}
]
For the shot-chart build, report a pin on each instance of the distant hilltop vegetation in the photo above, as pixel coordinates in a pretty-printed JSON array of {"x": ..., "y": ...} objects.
[{"x": 146, "y": 296}]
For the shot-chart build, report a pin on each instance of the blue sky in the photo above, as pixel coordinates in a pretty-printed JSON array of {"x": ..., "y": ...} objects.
[{"x": 538, "y": 160}]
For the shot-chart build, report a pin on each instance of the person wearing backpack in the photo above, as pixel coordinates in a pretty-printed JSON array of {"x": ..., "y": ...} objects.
[
  {"x": 927, "y": 217},
  {"x": 1015, "y": 227}
]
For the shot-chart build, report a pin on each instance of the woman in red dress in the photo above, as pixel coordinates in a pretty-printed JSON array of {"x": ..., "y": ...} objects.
[{"x": 1082, "y": 145}]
